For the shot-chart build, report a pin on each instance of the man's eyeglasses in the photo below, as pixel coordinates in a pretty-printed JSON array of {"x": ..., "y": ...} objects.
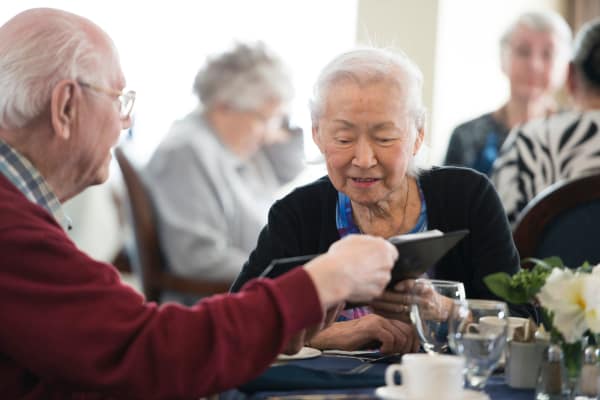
[{"x": 126, "y": 99}]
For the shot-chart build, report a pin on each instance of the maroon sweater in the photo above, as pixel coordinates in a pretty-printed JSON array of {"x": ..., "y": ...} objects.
[{"x": 70, "y": 329}]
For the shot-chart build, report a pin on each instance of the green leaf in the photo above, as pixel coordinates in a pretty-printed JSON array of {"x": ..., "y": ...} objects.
[
  {"x": 546, "y": 263},
  {"x": 498, "y": 283},
  {"x": 501, "y": 284},
  {"x": 547, "y": 317},
  {"x": 586, "y": 267}
]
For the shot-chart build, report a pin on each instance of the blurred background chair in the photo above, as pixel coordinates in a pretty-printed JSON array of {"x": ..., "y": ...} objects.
[
  {"x": 563, "y": 221},
  {"x": 148, "y": 260}
]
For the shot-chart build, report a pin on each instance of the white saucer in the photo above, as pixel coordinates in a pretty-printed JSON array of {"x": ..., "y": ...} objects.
[
  {"x": 305, "y": 352},
  {"x": 357, "y": 353},
  {"x": 399, "y": 393}
]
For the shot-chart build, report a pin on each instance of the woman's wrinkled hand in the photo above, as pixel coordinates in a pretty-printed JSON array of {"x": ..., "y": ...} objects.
[
  {"x": 304, "y": 336},
  {"x": 391, "y": 336},
  {"x": 396, "y": 303}
]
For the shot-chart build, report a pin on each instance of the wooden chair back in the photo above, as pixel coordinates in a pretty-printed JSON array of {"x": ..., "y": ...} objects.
[
  {"x": 148, "y": 259},
  {"x": 564, "y": 221}
]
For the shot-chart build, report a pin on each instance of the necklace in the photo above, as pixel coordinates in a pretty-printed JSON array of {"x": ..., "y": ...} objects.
[
  {"x": 404, "y": 210},
  {"x": 406, "y": 200}
]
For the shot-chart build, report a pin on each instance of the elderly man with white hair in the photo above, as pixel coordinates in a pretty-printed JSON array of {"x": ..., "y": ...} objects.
[
  {"x": 68, "y": 327},
  {"x": 369, "y": 123}
]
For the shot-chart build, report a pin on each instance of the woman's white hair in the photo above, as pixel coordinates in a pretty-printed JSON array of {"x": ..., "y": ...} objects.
[
  {"x": 542, "y": 21},
  {"x": 57, "y": 46},
  {"x": 245, "y": 78},
  {"x": 367, "y": 65}
]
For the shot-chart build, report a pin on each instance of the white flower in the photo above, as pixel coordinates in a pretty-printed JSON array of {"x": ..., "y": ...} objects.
[
  {"x": 574, "y": 300},
  {"x": 591, "y": 294},
  {"x": 559, "y": 274}
]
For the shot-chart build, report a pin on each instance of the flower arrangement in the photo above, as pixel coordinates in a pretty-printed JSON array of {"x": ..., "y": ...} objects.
[{"x": 568, "y": 299}]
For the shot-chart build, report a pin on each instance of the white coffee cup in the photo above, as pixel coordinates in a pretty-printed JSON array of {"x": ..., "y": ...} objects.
[
  {"x": 523, "y": 363},
  {"x": 418, "y": 371},
  {"x": 490, "y": 324}
]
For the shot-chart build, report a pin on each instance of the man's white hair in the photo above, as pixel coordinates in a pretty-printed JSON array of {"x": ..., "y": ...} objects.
[
  {"x": 368, "y": 65},
  {"x": 35, "y": 57}
]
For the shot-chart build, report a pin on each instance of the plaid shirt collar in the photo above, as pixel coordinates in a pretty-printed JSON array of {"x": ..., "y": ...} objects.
[{"x": 30, "y": 182}]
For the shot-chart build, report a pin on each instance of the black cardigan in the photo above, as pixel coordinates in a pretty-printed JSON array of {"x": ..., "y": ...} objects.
[{"x": 303, "y": 223}]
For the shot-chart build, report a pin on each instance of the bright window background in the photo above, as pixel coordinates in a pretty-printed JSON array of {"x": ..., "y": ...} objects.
[{"x": 163, "y": 44}]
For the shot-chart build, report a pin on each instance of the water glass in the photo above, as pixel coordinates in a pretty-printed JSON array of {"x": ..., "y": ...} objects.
[
  {"x": 432, "y": 302},
  {"x": 480, "y": 343}
]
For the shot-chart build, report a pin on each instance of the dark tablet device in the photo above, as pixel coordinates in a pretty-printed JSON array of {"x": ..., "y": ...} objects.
[
  {"x": 416, "y": 254},
  {"x": 280, "y": 266}
]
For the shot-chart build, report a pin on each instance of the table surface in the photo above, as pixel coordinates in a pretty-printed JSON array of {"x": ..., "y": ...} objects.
[{"x": 496, "y": 388}]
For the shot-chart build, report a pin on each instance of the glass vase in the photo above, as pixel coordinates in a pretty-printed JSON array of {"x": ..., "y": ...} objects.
[{"x": 573, "y": 359}]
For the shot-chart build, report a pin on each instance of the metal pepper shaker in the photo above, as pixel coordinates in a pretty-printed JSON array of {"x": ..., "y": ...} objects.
[{"x": 552, "y": 381}]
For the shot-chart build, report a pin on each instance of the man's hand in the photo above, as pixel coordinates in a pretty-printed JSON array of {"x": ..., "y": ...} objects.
[{"x": 355, "y": 268}]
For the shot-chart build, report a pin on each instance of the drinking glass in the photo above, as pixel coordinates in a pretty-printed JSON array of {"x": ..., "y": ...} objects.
[
  {"x": 478, "y": 330},
  {"x": 432, "y": 302}
]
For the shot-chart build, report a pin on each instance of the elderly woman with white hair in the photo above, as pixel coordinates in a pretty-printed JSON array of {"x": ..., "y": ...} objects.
[
  {"x": 369, "y": 123},
  {"x": 534, "y": 52},
  {"x": 217, "y": 172},
  {"x": 563, "y": 146}
]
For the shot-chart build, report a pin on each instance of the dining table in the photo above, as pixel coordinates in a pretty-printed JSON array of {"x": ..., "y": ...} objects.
[{"x": 341, "y": 375}]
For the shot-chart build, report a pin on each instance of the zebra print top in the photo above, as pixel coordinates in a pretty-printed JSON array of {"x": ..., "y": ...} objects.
[{"x": 544, "y": 151}]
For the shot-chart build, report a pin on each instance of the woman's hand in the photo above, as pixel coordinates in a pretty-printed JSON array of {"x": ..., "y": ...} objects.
[
  {"x": 391, "y": 336},
  {"x": 396, "y": 303},
  {"x": 304, "y": 336}
]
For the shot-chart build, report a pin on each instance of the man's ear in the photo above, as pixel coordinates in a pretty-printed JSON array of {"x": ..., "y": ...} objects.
[
  {"x": 63, "y": 107},
  {"x": 317, "y": 137}
]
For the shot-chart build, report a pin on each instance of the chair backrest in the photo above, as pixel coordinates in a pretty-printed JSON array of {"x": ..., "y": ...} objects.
[
  {"x": 151, "y": 264},
  {"x": 563, "y": 220}
]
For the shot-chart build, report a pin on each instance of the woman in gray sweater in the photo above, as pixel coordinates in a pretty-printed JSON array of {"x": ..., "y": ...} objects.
[{"x": 216, "y": 174}]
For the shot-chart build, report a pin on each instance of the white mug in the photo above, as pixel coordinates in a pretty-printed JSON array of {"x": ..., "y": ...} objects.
[
  {"x": 523, "y": 363},
  {"x": 419, "y": 370}
]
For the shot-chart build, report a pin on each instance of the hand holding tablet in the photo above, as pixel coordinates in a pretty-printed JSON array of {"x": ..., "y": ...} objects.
[{"x": 418, "y": 252}]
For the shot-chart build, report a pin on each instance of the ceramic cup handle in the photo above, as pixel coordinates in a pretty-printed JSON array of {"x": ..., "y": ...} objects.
[
  {"x": 473, "y": 328},
  {"x": 390, "y": 374}
]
